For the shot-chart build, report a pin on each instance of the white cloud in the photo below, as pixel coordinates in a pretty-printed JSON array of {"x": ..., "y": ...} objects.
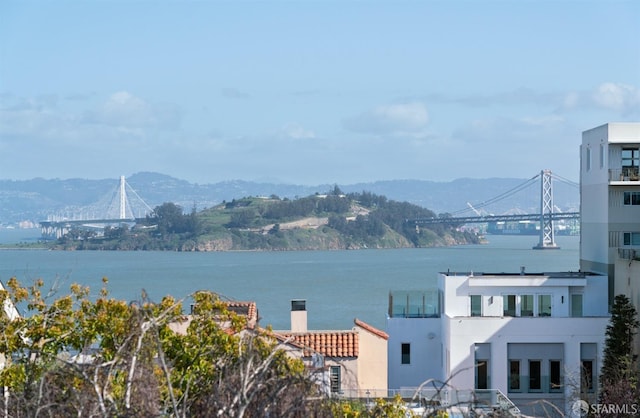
[
  {"x": 617, "y": 96},
  {"x": 295, "y": 131},
  {"x": 123, "y": 109},
  {"x": 396, "y": 119}
]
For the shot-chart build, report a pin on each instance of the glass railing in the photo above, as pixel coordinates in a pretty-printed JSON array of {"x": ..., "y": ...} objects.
[
  {"x": 624, "y": 174},
  {"x": 537, "y": 384},
  {"x": 629, "y": 253},
  {"x": 447, "y": 399},
  {"x": 415, "y": 304}
]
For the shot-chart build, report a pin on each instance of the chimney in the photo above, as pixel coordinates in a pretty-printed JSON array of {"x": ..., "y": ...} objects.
[{"x": 298, "y": 315}]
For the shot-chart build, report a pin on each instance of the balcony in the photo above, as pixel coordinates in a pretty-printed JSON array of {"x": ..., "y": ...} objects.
[
  {"x": 629, "y": 254},
  {"x": 625, "y": 174},
  {"x": 415, "y": 304}
]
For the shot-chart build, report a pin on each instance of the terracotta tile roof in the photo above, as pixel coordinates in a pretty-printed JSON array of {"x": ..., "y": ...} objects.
[
  {"x": 327, "y": 343},
  {"x": 247, "y": 309},
  {"x": 371, "y": 329}
]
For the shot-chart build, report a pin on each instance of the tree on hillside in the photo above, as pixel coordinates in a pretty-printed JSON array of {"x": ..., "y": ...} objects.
[{"x": 619, "y": 378}]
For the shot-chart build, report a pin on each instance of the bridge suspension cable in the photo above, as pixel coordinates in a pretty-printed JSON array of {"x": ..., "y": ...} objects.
[
  {"x": 502, "y": 196},
  {"x": 565, "y": 180}
]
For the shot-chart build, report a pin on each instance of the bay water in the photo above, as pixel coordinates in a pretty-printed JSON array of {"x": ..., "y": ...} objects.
[{"x": 337, "y": 285}]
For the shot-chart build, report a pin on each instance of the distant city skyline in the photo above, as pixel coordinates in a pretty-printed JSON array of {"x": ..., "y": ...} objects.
[{"x": 311, "y": 92}]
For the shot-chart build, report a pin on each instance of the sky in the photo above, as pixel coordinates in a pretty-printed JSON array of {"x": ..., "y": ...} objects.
[{"x": 311, "y": 92}]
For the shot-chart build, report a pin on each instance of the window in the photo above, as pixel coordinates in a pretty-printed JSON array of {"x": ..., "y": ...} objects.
[
  {"x": 602, "y": 150},
  {"x": 630, "y": 160},
  {"x": 544, "y": 305},
  {"x": 476, "y": 305},
  {"x": 576, "y": 304},
  {"x": 406, "y": 353},
  {"x": 514, "y": 375},
  {"x": 631, "y": 238},
  {"x": 482, "y": 374},
  {"x": 631, "y": 198},
  {"x": 588, "y": 159},
  {"x": 509, "y": 305},
  {"x": 335, "y": 379},
  {"x": 526, "y": 305},
  {"x": 586, "y": 376},
  {"x": 555, "y": 380},
  {"x": 535, "y": 377}
]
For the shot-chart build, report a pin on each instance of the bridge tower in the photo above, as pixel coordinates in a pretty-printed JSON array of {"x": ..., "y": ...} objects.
[
  {"x": 123, "y": 199},
  {"x": 547, "y": 241}
]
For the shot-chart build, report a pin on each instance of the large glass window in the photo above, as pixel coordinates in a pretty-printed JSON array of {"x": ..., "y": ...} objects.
[
  {"x": 586, "y": 376},
  {"x": 631, "y": 238},
  {"x": 555, "y": 383},
  {"x": 406, "y": 353},
  {"x": 544, "y": 305},
  {"x": 482, "y": 374},
  {"x": 535, "y": 375},
  {"x": 509, "y": 305},
  {"x": 576, "y": 304},
  {"x": 476, "y": 305},
  {"x": 514, "y": 375},
  {"x": 631, "y": 198},
  {"x": 526, "y": 305}
]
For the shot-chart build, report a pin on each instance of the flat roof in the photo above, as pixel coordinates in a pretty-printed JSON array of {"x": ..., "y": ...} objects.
[{"x": 550, "y": 275}]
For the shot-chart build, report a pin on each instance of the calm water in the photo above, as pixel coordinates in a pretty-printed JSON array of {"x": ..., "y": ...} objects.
[{"x": 338, "y": 285}]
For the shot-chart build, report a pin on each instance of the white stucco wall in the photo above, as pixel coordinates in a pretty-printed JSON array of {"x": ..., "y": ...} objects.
[{"x": 425, "y": 337}]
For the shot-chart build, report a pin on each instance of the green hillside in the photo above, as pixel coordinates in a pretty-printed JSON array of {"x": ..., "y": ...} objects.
[{"x": 317, "y": 222}]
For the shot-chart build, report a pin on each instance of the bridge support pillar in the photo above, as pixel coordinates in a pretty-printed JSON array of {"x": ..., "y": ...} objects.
[{"x": 547, "y": 239}]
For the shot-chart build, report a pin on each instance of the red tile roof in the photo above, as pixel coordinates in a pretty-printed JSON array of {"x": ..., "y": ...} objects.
[
  {"x": 371, "y": 329},
  {"x": 327, "y": 343},
  {"x": 248, "y": 309}
]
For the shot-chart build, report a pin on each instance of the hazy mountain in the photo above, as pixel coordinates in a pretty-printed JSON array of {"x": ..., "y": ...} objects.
[{"x": 37, "y": 199}]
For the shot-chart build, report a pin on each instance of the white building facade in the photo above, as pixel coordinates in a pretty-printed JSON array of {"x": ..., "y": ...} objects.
[
  {"x": 531, "y": 336},
  {"x": 610, "y": 206}
]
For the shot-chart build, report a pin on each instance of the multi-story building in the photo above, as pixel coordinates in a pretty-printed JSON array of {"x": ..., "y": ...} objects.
[
  {"x": 532, "y": 337},
  {"x": 610, "y": 206}
]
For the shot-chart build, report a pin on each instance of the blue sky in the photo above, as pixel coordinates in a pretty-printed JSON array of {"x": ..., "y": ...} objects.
[{"x": 311, "y": 92}]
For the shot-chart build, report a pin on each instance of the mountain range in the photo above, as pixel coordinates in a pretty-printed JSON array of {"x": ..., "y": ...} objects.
[{"x": 38, "y": 199}]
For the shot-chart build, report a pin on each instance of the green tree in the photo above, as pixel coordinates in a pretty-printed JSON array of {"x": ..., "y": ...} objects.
[
  {"x": 619, "y": 378},
  {"x": 74, "y": 356}
]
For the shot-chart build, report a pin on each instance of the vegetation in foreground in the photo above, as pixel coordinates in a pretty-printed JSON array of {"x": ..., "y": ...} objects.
[
  {"x": 317, "y": 222},
  {"x": 73, "y": 356}
]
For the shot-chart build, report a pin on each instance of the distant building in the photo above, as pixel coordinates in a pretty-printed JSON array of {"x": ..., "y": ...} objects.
[
  {"x": 610, "y": 206},
  {"x": 532, "y": 337}
]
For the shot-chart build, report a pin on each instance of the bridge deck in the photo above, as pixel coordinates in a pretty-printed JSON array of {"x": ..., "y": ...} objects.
[{"x": 494, "y": 218}]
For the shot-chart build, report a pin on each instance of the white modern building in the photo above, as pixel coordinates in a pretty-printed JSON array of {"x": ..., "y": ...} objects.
[
  {"x": 531, "y": 337},
  {"x": 610, "y": 206}
]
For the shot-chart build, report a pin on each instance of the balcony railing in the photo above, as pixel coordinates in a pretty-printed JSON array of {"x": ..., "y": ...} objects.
[
  {"x": 624, "y": 174},
  {"x": 423, "y": 399},
  {"x": 629, "y": 253},
  {"x": 415, "y": 304},
  {"x": 534, "y": 384}
]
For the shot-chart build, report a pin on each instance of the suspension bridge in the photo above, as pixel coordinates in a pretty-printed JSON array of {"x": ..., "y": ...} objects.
[
  {"x": 123, "y": 206},
  {"x": 546, "y": 217}
]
